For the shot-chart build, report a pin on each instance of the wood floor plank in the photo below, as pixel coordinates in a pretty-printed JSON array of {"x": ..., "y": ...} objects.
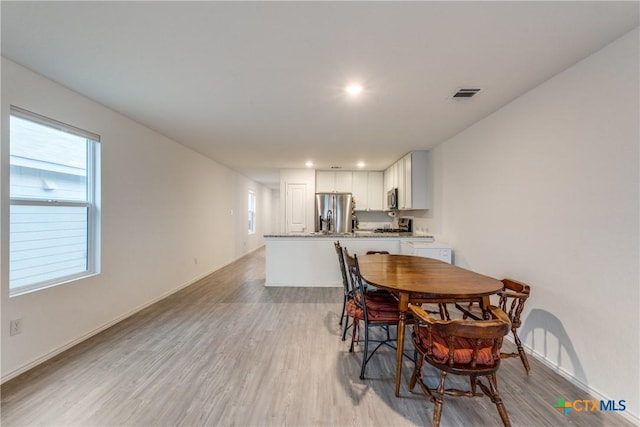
[{"x": 228, "y": 351}]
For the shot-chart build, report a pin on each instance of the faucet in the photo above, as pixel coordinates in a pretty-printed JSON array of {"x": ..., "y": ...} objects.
[{"x": 326, "y": 221}]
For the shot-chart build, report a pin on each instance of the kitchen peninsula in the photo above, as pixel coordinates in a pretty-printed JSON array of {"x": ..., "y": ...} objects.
[
  {"x": 346, "y": 201},
  {"x": 310, "y": 260}
]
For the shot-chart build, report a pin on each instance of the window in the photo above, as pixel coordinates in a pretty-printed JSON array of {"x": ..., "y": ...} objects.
[
  {"x": 53, "y": 221},
  {"x": 252, "y": 212}
]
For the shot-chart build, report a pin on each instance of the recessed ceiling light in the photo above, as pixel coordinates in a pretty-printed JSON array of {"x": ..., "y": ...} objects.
[
  {"x": 309, "y": 164},
  {"x": 361, "y": 164},
  {"x": 354, "y": 89}
]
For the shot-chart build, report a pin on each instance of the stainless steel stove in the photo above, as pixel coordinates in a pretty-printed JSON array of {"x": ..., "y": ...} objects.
[
  {"x": 405, "y": 225},
  {"x": 388, "y": 230}
]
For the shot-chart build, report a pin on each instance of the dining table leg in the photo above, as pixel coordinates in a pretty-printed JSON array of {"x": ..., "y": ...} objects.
[
  {"x": 403, "y": 306},
  {"x": 484, "y": 305}
]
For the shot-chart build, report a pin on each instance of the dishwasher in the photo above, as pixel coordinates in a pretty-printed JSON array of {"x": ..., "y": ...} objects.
[{"x": 436, "y": 250}]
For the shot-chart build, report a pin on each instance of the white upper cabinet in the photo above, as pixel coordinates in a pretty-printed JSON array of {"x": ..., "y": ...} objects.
[
  {"x": 410, "y": 175},
  {"x": 375, "y": 192},
  {"x": 391, "y": 177},
  {"x": 401, "y": 180},
  {"x": 325, "y": 181},
  {"x": 360, "y": 190},
  {"x": 344, "y": 182},
  {"x": 367, "y": 191},
  {"x": 329, "y": 182},
  {"x": 414, "y": 189},
  {"x": 365, "y": 186}
]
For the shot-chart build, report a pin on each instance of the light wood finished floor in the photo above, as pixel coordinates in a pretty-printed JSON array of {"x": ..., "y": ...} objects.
[{"x": 227, "y": 351}]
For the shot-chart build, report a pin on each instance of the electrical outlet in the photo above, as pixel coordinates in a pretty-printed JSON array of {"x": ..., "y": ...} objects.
[
  {"x": 195, "y": 260},
  {"x": 15, "y": 327}
]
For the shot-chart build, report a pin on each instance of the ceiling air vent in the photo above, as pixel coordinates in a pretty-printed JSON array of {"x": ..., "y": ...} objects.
[{"x": 465, "y": 93}]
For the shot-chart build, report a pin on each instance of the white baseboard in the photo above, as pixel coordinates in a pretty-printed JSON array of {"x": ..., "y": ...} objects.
[{"x": 32, "y": 364}]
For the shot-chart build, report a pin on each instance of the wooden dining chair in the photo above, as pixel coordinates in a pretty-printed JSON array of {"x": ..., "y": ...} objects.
[
  {"x": 346, "y": 288},
  {"x": 348, "y": 291},
  {"x": 460, "y": 347},
  {"x": 512, "y": 299},
  {"x": 374, "y": 309}
]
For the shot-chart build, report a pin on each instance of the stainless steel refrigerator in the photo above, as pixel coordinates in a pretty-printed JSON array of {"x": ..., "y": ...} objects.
[{"x": 334, "y": 212}]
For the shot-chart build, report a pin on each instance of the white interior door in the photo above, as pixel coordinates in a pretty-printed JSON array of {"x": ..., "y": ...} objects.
[{"x": 296, "y": 208}]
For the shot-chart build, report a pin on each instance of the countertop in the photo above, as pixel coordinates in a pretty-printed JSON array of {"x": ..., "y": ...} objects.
[{"x": 357, "y": 234}]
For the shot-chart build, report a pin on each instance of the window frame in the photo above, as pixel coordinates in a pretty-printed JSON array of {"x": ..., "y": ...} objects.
[{"x": 91, "y": 202}]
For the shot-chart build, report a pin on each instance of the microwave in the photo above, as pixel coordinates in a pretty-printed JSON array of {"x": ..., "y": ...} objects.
[{"x": 392, "y": 199}]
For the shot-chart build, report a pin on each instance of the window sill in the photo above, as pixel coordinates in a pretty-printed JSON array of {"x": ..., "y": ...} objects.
[{"x": 24, "y": 290}]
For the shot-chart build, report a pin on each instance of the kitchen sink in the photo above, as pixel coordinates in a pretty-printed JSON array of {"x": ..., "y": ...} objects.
[{"x": 324, "y": 233}]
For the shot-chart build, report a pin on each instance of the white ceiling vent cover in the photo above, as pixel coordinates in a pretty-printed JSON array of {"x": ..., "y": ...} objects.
[{"x": 464, "y": 93}]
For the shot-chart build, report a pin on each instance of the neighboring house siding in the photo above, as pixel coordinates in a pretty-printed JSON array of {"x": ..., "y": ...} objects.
[{"x": 47, "y": 242}]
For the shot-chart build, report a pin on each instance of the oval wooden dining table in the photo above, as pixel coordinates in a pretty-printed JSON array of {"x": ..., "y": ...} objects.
[{"x": 418, "y": 280}]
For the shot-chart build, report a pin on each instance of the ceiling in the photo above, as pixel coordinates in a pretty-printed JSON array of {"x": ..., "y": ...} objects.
[{"x": 259, "y": 86}]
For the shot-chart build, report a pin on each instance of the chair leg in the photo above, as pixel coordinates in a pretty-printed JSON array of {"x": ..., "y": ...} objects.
[
  {"x": 354, "y": 331},
  {"x": 474, "y": 384},
  {"x": 344, "y": 330},
  {"x": 417, "y": 368},
  {"x": 495, "y": 397},
  {"x": 366, "y": 350},
  {"x": 523, "y": 355},
  {"x": 344, "y": 308},
  {"x": 444, "y": 312},
  {"x": 437, "y": 410}
]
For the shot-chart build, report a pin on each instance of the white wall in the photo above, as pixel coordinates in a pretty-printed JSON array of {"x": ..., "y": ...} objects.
[
  {"x": 163, "y": 206},
  {"x": 546, "y": 190},
  {"x": 277, "y": 216}
]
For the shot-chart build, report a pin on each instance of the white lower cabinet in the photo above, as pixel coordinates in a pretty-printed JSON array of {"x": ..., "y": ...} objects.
[
  {"x": 312, "y": 260},
  {"x": 434, "y": 250}
]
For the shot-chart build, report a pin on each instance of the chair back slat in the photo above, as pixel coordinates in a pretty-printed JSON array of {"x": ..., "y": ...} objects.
[
  {"x": 512, "y": 308},
  {"x": 476, "y": 350},
  {"x": 451, "y": 342},
  {"x": 353, "y": 269},
  {"x": 345, "y": 280},
  {"x": 512, "y": 299}
]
